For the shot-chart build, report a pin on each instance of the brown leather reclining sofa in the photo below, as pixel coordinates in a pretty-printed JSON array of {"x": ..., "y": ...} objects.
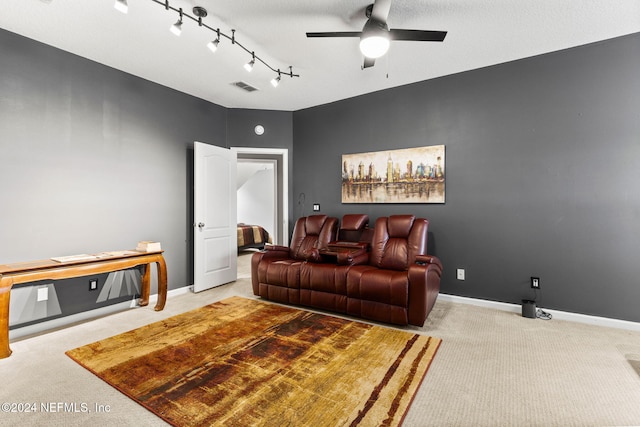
[{"x": 382, "y": 274}]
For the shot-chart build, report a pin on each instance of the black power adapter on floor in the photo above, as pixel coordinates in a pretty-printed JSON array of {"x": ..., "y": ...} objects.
[{"x": 528, "y": 308}]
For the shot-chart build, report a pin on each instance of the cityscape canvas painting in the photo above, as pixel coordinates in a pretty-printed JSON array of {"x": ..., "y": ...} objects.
[{"x": 411, "y": 175}]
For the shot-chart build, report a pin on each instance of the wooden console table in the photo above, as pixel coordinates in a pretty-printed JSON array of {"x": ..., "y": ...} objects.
[{"x": 25, "y": 272}]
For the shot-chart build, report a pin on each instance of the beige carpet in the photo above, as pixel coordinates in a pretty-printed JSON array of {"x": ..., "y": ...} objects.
[{"x": 493, "y": 368}]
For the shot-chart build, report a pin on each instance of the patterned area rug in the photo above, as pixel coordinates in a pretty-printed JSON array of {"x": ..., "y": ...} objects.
[{"x": 242, "y": 362}]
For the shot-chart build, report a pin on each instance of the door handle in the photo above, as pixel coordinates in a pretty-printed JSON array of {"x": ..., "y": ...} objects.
[{"x": 201, "y": 224}]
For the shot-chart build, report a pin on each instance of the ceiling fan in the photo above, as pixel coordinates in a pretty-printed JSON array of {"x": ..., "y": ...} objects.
[{"x": 376, "y": 36}]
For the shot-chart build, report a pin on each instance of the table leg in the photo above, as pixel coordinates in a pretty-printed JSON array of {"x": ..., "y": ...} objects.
[
  {"x": 5, "y": 293},
  {"x": 162, "y": 283},
  {"x": 145, "y": 286}
]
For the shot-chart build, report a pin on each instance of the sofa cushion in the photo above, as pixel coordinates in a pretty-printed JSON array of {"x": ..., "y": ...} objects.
[
  {"x": 312, "y": 233},
  {"x": 365, "y": 282},
  {"x": 284, "y": 273},
  {"x": 400, "y": 225},
  {"x": 354, "y": 222},
  {"x": 324, "y": 277},
  {"x": 395, "y": 254},
  {"x": 397, "y": 240},
  {"x": 353, "y": 228}
]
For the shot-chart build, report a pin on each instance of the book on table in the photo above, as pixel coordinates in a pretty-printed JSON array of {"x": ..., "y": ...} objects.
[
  {"x": 71, "y": 258},
  {"x": 148, "y": 246}
]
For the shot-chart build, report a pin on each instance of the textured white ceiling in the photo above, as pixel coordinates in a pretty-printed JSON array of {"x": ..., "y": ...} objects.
[{"x": 480, "y": 34}]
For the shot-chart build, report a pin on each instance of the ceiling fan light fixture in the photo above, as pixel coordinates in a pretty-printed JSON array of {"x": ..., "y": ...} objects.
[
  {"x": 375, "y": 39},
  {"x": 121, "y": 6},
  {"x": 374, "y": 46}
]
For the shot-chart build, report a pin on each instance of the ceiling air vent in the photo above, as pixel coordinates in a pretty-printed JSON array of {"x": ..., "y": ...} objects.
[{"x": 245, "y": 86}]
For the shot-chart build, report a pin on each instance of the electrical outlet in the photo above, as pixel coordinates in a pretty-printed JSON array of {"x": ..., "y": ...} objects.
[
  {"x": 535, "y": 282},
  {"x": 43, "y": 294},
  {"x": 460, "y": 274},
  {"x": 316, "y": 207},
  {"x": 93, "y": 284}
]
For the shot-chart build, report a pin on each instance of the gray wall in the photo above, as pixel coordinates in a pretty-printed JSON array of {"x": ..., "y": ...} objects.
[
  {"x": 542, "y": 167},
  {"x": 94, "y": 159},
  {"x": 278, "y": 133},
  {"x": 543, "y": 158}
]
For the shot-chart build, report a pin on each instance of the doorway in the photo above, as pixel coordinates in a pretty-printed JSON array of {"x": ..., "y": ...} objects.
[
  {"x": 272, "y": 167},
  {"x": 257, "y": 193}
]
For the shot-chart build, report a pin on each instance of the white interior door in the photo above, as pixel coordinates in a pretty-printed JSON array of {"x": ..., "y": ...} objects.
[{"x": 215, "y": 234}]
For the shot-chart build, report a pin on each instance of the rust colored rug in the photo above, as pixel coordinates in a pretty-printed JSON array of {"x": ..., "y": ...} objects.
[{"x": 243, "y": 362}]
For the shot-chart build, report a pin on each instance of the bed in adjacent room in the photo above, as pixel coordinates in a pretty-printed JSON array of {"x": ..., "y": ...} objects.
[{"x": 252, "y": 236}]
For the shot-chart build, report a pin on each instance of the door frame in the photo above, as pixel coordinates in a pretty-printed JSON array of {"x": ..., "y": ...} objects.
[{"x": 281, "y": 156}]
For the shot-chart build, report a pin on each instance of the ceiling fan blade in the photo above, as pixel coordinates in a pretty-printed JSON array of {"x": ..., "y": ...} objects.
[
  {"x": 380, "y": 10},
  {"x": 417, "y": 35},
  {"x": 368, "y": 62},
  {"x": 336, "y": 34}
]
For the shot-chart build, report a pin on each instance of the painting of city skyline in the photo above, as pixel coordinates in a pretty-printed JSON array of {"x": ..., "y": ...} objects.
[{"x": 411, "y": 175}]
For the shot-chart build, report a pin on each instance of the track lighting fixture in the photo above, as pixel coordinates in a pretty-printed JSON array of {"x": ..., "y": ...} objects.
[
  {"x": 276, "y": 80},
  {"x": 177, "y": 27},
  {"x": 122, "y": 6},
  {"x": 249, "y": 65},
  {"x": 201, "y": 12},
  {"x": 213, "y": 45}
]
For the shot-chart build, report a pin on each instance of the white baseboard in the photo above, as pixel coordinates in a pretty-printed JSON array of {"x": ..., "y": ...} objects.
[
  {"x": 557, "y": 314},
  {"x": 60, "y": 322}
]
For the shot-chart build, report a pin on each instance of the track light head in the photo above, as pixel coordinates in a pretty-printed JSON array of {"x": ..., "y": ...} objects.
[
  {"x": 177, "y": 27},
  {"x": 276, "y": 80},
  {"x": 213, "y": 45},
  {"x": 249, "y": 65},
  {"x": 122, "y": 6}
]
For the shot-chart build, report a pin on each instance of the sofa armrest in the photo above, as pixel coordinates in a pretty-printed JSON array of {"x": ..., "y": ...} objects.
[
  {"x": 350, "y": 258},
  {"x": 274, "y": 252},
  {"x": 261, "y": 259},
  {"x": 424, "y": 286},
  {"x": 279, "y": 248},
  {"x": 428, "y": 259}
]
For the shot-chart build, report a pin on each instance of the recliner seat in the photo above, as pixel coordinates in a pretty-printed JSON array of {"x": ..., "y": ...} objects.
[
  {"x": 275, "y": 272},
  {"x": 401, "y": 282}
]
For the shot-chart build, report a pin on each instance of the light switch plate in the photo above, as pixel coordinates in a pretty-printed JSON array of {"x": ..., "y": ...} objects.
[{"x": 461, "y": 274}]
